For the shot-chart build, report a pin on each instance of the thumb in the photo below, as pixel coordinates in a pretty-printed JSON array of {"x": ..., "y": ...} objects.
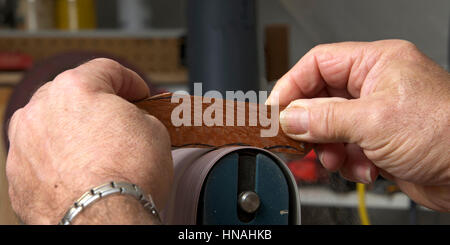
[{"x": 327, "y": 120}]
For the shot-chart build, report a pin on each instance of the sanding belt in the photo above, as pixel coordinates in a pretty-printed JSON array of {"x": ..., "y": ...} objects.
[{"x": 161, "y": 107}]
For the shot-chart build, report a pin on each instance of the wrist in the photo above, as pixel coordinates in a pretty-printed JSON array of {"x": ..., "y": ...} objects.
[
  {"x": 105, "y": 205},
  {"x": 58, "y": 193},
  {"x": 116, "y": 210}
]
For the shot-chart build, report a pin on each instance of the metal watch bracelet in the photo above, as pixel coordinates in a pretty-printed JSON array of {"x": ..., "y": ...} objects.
[{"x": 108, "y": 189}]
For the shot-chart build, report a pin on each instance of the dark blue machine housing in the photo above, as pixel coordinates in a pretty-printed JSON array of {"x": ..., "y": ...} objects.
[
  {"x": 225, "y": 181},
  {"x": 232, "y": 186}
]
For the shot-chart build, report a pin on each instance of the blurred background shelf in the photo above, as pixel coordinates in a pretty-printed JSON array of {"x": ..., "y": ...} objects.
[
  {"x": 323, "y": 196},
  {"x": 162, "y": 79},
  {"x": 156, "y": 53},
  {"x": 97, "y": 33},
  {"x": 10, "y": 78}
]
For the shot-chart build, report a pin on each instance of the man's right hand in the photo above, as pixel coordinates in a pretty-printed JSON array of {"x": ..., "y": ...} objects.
[{"x": 374, "y": 107}]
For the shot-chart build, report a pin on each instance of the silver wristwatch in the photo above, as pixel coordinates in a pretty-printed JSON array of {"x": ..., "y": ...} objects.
[{"x": 102, "y": 191}]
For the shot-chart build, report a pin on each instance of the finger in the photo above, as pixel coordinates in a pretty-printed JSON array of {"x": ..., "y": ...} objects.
[
  {"x": 342, "y": 93},
  {"x": 349, "y": 66},
  {"x": 105, "y": 75},
  {"x": 358, "y": 167},
  {"x": 330, "y": 120},
  {"x": 332, "y": 156}
]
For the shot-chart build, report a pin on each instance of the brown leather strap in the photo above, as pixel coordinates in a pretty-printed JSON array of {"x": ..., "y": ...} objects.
[{"x": 161, "y": 107}]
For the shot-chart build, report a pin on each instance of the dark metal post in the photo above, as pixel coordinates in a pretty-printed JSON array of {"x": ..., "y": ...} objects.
[{"x": 222, "y": 45}]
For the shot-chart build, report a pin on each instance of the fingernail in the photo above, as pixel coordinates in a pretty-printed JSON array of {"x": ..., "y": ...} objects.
[
  {"x": 320, "y": 155},
  {"x": 295, "y": 120},
  {"x": 368, "y": 176}
]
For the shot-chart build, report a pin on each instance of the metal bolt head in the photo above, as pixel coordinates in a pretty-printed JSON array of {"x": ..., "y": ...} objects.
[{"x": 249, "y": 201}]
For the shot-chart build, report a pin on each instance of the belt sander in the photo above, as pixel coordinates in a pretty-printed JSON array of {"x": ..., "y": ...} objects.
[
  {"x": 226, "y": 174},
  {"x": 223, "y": 175}
]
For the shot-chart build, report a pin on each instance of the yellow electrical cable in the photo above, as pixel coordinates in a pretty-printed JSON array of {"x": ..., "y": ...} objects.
[{"x": 363, "y": 216}]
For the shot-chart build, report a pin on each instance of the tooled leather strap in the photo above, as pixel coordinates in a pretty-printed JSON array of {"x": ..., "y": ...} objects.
[{"x": 201, "y": 136}]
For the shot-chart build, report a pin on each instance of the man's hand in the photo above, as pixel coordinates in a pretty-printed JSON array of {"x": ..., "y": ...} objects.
[
  {"x": 79, "y": 131},
  {"x": 389, "y": 112}
]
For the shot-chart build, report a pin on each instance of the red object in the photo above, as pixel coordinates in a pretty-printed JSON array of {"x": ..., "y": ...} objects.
[
  {"x": 305, "y": 169},
  {"x": 15, "y": 61}
]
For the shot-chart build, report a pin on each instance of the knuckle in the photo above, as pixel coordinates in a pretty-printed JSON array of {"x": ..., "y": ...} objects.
[
  {"x": 397, "y": 43},
  {"x": 41, "y": 92},
  {"x": 379, "y": 119},
  {"x": 30, "y": 112},
  {"x": 27, "y": 117},
  {"x": 404, "y": 48},
  {"x": 106, "y": 63},
  {"x": 323, "y": 122},
  {"x": 318, "y": 48},
  {"x": 158, "y": 130},
  {"x": 12, "y": 124},
  {"x": 330, "y": 121},
  {"x": 15, "y": 116},
  {"x": 68, "y": 76},
  {"x": 71, "y": 80},
  {"x": 408, "y": 47},
  {"x": 405, "y": 44},
  {"x": 31, "y": 118},
  {"x": 158, "y": 127}
]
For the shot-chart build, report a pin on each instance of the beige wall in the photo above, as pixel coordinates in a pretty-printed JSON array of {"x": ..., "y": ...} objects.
[{"x": 423, "y": 22}]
